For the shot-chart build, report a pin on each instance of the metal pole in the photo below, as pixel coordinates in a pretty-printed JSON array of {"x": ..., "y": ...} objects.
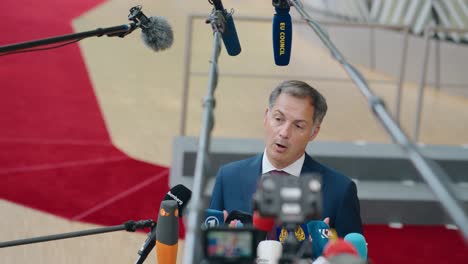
[
  {"x": 402, "y": 74},
  {"x": 372, "y": 47},
  {"x": 422, "y": 84},
  {"x": 192, "y": 248},
  {"x": 186, "y": 76},
  {"x": 437, "y": 64},
  {"x": 434, "y": 176},
  {"x": 130, "y": 226}
]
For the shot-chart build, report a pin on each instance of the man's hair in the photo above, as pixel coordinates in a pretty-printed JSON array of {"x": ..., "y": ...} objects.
[{"x": 301, "y": 89}]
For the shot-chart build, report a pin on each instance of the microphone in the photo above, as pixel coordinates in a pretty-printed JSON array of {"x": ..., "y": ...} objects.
[
  {"x": 263, "y": 225},
  {"x": 167, "y": 232},
  {"x": 230, "y": 38},
  {"x": 339, "y": 247},
  {"x": 346, "y": 259},
  {"x": 156, "y": 32},
  {"x": 213, "y": 218},
  {"x": 242, "y": 216},
  {"x": 269, "y": 251},
  {"x": 359, "y": 242},
  {"x": 181, "y": 195},
  {"x": 318, "y": 231},
  {"x": 282, "y": 32}
]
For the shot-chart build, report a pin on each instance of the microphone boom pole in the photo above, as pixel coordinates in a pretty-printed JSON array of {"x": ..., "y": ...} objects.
[
  {"x": 130, "y": 226},
  {"x": 136, "y": 15},
  {"x": 192, "y": 248},
  {"x": 431, "y": 172},
  {"x": 120, "y": 31}
]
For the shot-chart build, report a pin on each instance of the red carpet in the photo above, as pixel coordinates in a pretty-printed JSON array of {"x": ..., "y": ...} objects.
[
  {"x": 56, "y": 154},
  {"x": 56, "y": 151}
]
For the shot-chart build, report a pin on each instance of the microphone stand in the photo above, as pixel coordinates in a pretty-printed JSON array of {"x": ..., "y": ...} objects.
[
  {"x": 136, "y": 15},
  {"x": 130, "y": 226},
  {"x": 194, "y": 218},
  {"x": 431, "y": 172}
]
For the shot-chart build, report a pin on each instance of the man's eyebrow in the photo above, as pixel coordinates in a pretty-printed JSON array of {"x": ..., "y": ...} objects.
[{"x": 278, "y": 112}]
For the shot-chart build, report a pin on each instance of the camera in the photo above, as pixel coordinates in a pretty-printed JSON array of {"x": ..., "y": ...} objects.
[{"x": 229, "y": 245}]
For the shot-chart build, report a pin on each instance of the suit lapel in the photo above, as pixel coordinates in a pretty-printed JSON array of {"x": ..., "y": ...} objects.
[{"x": 251, "y": 173}]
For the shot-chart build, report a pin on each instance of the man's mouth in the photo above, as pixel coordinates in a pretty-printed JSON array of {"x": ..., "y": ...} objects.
[{"x": 281, "y": 146}]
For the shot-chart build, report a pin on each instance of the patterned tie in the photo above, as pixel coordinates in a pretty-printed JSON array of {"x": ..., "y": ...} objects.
[{"x": 278, "y": 173}]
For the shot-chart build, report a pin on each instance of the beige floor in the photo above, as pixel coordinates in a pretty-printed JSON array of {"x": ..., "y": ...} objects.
[{"x": 140, "y": 93}]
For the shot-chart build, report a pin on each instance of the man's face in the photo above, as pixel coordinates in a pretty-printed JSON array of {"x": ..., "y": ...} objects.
[{"x": 288, "y": 128}]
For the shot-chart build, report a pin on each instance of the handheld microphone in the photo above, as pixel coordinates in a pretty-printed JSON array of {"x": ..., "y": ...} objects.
[
  {"x": 339, "y": 247},
  {"x": 318, "y": 231},
  {"x": 263, "y": 225},
  {"x": 346, "y": 259},
  {"x": 242, "y": 216},
  {"x": 359, "y": 242},
  {"x": 230, "y": 38},
  {"x": 156, "y": 32},
  {"x": 167, "y": 232},
  {"x": 213, "y": 218},
  {"x": 181, "y": 195},
  {"x": 269, "y": 252},
  {"x": 282, "y": 33}
]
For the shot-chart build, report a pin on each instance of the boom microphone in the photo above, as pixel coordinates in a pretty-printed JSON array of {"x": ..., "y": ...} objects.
[
  {"x": 181, "y": 195},
  {"x": 167, "y": 232},
  {"x": 230, "y": 38},
  {"x": 156, "y": 32},
  {"x": 282, "y": 32}
]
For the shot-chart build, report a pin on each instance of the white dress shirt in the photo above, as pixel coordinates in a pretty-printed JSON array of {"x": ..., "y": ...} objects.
[{"x": 293, "y": 169}]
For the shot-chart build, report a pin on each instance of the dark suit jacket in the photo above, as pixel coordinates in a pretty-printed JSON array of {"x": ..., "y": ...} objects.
[{"x": 236, "y": 183}]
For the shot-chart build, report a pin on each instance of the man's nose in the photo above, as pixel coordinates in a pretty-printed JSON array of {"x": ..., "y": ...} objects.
[{"x": 285, "y": 130}]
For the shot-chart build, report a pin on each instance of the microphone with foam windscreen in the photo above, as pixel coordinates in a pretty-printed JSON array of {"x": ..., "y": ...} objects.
[
  {"x": 181, "y": 195},
  {"x": 156, "y": 32},
  {"x": 269, "y": 251},
  {"x": 339, "y": 247},
  {"x": 282, "y": 32},
  {"x": 318, "y": 231},
  {"x": 230, "y": 38},
  {"x": 213, "y": 218},
  {"x": 167, "y": 232},
  {"x": 359, "y": 242}
]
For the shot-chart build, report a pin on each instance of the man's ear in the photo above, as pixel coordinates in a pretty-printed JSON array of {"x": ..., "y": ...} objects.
[
  {"x": 265, "y": 117},
  {"x": 315, "y": 132}
]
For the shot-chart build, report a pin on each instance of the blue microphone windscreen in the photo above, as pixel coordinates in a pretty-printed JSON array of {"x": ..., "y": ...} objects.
[
  {"x": 230, "y": 38},
  {"x": 213, "y": 218},
  {"x": 282, "y": 38},
  {"x": 359, "y": 242},
  {"x": 318, "y": 231}
]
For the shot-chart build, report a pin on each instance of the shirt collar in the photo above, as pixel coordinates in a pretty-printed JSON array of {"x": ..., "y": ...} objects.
[{"x": 293, "y": 169}]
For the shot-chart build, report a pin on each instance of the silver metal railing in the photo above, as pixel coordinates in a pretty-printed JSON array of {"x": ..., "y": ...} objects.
[{"x": 429, "y": 31}]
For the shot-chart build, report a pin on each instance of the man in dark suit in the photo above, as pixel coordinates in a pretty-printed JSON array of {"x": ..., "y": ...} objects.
[{"x": 292, "y": 120}]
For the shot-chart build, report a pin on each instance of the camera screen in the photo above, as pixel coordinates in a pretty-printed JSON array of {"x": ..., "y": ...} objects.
[{"x": 229, "y": 244}]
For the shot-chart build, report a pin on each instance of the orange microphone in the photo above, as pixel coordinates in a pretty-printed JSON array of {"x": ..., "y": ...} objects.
[{"x": 167, "y": 232}]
